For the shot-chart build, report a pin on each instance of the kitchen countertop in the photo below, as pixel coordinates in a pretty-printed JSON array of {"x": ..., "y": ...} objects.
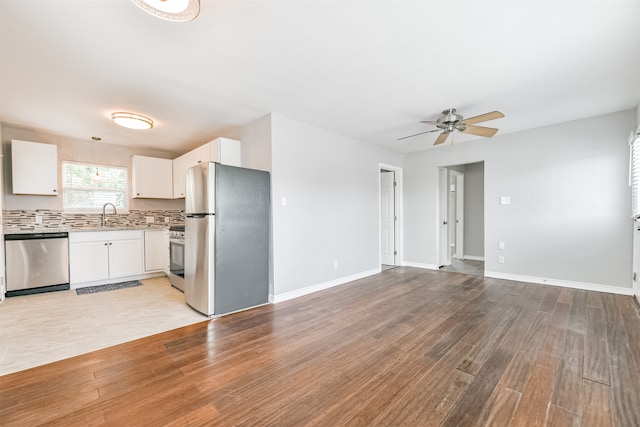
[{"x": 82, "y": 229}]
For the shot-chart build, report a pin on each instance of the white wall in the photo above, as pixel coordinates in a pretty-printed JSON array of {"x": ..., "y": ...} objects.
[
  {"x": 331, "y": 186},
  {"x": 256, "y": 144},
  {"x": 570, "y": 201}
]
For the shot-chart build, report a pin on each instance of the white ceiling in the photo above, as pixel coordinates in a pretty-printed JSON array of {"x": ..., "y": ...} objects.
[{"x": 366, "y": 69}]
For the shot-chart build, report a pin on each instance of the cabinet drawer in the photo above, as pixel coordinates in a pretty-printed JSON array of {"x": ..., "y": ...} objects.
[{"x": 95, "y": 236}]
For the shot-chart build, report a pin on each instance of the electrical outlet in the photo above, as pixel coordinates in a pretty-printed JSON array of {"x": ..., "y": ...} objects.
[
  {"x": 500, "y": 259},
  {"x": 38, "y": 219},
  {"x": 335, "y": 264},
  {"x": 167, "y": 220},
  {"x": 149, "y": 219},
  {"x": 283, "y": 201}
]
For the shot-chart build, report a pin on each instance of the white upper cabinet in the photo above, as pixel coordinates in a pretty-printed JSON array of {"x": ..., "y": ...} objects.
[
  {"x": 221, "y": 150},
  {"x": 152, "y": 178},
  {"x": 34, "y": 168},
  {"x": 225, "y": 151},
  {"x": 179, "y": 172}
]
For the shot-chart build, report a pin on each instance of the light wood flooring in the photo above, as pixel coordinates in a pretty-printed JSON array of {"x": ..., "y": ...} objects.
[
  {"x": 406, "y": 347},
  {"x": 42, "y": 328}
]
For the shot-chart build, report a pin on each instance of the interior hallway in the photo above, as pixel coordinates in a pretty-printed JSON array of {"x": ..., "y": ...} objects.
[{"x": 466, "y": 266}]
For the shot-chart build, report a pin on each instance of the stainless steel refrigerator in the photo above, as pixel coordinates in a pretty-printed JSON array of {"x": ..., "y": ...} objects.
[{"x": 227, "y": 217}]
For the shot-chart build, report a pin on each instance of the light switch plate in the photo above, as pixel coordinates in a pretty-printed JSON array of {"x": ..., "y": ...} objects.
[
  {"x": 505, "y": 200},
  {"x": 284, "y": 201},
  {"x": 501, "y": 245}
]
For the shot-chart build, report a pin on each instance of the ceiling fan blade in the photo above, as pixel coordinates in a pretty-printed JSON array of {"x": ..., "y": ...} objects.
[
  {"x": 480, "y": 131},
  {"x": 442, "y": 138},
  {"x": 431, "y": 122},
  {"x": 483, "y": 117},
  {"x": 421, "y": 133}
]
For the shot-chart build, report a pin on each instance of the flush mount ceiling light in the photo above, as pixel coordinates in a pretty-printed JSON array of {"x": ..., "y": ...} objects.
[
  {"x": 171, "y": 10},
  {"x": 132, "y": 121}
]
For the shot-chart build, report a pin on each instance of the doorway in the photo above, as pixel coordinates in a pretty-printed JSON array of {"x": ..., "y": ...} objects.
[
  {"x": 389, "y": 217},
  {"x": 461, "y": 218}
]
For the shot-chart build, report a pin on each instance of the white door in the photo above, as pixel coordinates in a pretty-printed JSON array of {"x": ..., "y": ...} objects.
[
  {"x": 443, "y": 246},
  {"x": 387, "y": 218},
  {"x": 460, "y": 216}
]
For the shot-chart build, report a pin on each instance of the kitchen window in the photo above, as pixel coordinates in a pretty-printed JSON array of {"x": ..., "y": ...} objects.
[{"x": 87, "y": 187}]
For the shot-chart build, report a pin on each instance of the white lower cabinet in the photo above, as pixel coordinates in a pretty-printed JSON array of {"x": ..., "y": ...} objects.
[
  {"x": 156, "y": 251},
  {"x": 102, "y": 255}
]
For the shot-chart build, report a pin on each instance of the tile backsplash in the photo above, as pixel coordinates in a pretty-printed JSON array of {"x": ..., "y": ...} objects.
[{"x": 25, "y": 220}]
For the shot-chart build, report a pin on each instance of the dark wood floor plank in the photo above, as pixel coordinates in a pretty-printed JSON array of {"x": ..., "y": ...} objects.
[
  {"x": 596, "y": 356},
  {"x": 521, "y": 365},
  {"x": 428, "y": 399},
  {"x": 499, "y": 409},
  {"x": 595, "y": 406},
  {"x": 532, "y": 410},
  {"x": 482, "y": 351},
  {"x": 391, "y": 349},
  {"x": 560, "y": 417},
  {"x": 567, "y": 388}
]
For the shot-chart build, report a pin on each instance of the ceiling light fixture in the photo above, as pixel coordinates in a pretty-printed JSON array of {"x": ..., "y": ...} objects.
[
  {"x": 171, "y": 10},
  {"x": 132, "y": 121}
]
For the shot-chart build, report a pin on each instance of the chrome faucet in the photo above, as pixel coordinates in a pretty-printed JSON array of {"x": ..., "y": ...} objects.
[{"x": 104, "y": 215}]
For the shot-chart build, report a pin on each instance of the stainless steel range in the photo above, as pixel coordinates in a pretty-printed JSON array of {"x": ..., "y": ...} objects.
[{"x": 176, "y": 256}]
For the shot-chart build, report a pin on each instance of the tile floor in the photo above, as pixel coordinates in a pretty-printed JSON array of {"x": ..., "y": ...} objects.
[{"x": 42, "y": 328}]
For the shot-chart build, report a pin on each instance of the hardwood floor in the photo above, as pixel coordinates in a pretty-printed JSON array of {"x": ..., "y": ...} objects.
[{"x": 407, "y": 347}]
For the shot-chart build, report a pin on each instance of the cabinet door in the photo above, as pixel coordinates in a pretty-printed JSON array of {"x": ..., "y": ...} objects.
[
  {"x": 152, "y": 178},
  {"x": 34, "y": 168},
  {"x": 88, "y": 261},
  {"x": 156, "y": 250},
  {"x": 179, "y": 172},
  {"x": 199, "y": 155},
  {"x": 225, "y": 151},
  {"x": 125, "y": 258}
]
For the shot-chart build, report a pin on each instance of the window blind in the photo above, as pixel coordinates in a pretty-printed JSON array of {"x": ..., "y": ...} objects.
[
  {"x": 87, "y": 187},
  {"x": 634, "y": 141}
]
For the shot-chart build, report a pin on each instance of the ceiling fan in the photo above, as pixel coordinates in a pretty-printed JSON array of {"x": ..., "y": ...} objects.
[{"x": 450, "y": 121}]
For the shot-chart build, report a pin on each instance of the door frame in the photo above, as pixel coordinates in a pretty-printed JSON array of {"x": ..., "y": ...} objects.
[
  {"x": 458, "y": 213},
  {"x": 442, "y": 225},
  {"x": 398, "y": 258}
]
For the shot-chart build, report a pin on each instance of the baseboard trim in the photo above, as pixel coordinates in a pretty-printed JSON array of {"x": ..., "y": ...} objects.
[
  {"x": 322, "y": 286},
  {"x": 473, "y": 257},
  {"x": 420, "y": 265},
  {"x": 563, "y": 283}
]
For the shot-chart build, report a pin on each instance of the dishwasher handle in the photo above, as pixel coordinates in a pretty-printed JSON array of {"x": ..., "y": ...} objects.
[{"x": 33, "y": 236}]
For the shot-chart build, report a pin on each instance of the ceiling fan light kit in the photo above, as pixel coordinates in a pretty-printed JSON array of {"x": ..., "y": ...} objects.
[
  {"x": 450, "y": 121},
  {"x": 171, "y": 10}
]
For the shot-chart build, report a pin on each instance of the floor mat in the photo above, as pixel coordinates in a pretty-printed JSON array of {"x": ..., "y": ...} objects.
[{"x": 108, "y": 287}]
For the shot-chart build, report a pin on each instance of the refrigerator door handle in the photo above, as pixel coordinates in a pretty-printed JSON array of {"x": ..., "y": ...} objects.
[{"x": 200, "y": 215}]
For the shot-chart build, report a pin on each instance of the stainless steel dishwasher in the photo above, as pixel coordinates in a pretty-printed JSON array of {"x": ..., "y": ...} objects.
[{"x": 37, "y": 262}]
